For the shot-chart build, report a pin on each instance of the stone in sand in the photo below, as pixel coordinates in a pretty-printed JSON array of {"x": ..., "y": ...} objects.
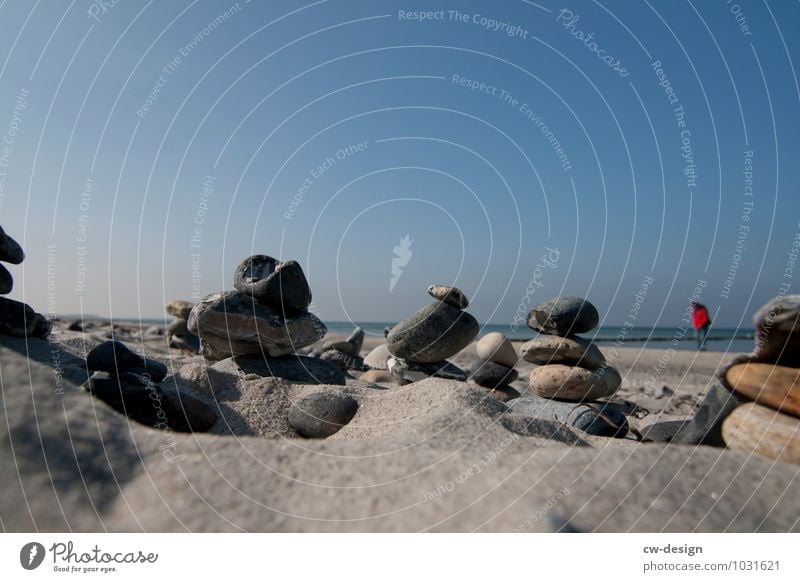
[
  {"x": 600, "y": 419},
  {"x": 179, "y": 308},
  {"x": 6, "y": 281},
  {"x": 778, "y": 331},
  {"x": 570, "y": 351},
  {"x": 432, "y": 334},
  {"x": 190, "y": 343},
  {"x": 344, "y": 360},
  {"x": 178, "y": 326},
  {"x": 774, "y": 386},
  {"x": 188, "y": 414},
  {"x": 377, "y": 376},
  {"x": 405, "y": 372},
  {"x": 504, "y": 393},
  {"x": 341, "y": 345},
  {"x": 564, "y": 316},
  {"x": 574, "y": 384},
  {"x": 450, "y": 295},
  {"x": 495, "y": 347},
  {"x": 10, "y": 251},
  {"x": 491, "y": 375},
  {"x": 116, "y": 358},
  {"x": 280, "y": 286},
  {"x": 756, "y": 429},
  {"x": 231, "y": 323},
  {"x": 356, "y": 340},
  {"x": 20, "y": 320},
  {"x": 322, "y": 414},
  {"x": 299, "y": 369},
  {"x": 376, "y": 359}
]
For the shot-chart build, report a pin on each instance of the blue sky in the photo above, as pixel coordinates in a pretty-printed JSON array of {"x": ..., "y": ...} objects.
[{"x": 251, "y": 99}]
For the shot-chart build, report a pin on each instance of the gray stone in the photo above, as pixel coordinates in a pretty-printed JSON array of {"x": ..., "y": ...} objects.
[
  {"x": 778, "y": 332},
  {"x": 495, "y": 347},
  {"x": 6, "y": 281},
  {"x": 341, "y": 345},
  {"x": 537, "y": 407},
  {"x": 432, "y": 334},
  {"x": 179, "y": 308},
  {"x": 377, "y": 357},
  {"x": 574, "y": 384},
  {"x": 116, "y": 358},
  {"x": 19, "y": 320},
  {"x": 344, "y": 360},
  {"x": 356, "y": 340},
  {"x": 450, "y": 295},
  {"x": 280, "y": 286},
  {"x": 10, "y": 251},
  {"x": 570, "y": 351},
  {"x": 178, "y": 327},
  {"x": 190, "y": 343},
  {"x": 405, "y": 372},
  {"x": 600, "y": 419},
  {"x": 231, "y": 323},
  {"x": 538, "y": 427},
  {"x": 564, "y": 316},
  {"x": 491, "y": 375},
  {"x": 300, "y": 369},
  {"x": 322, "y": 414}
]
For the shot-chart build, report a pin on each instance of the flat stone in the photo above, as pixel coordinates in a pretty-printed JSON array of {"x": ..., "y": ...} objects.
[
  {"x": 179, "y": 308},
  {"x": 564, "y": 316},
  {"x": 377, "y": 357},
  {"x": 188, "y": 414},
  {"x": 322, "y": 414},
  {"x": 768, "y": 384},
  {"x": 574, "y": 384},
  {"x": 662, "y": 431},
  {"x": 18, "y": 319},
  {"x": 450, "y": 295},
  {"x": 279, "y": 286},
  {"x": 178, "y": 326},
  {"x": 153, "y": 330},
  {"x": 539, "y": 427},
  {"x": 301, "y": 369},
  {"x": 231, "y": 323},
  {"x": 432, "y": 334},
  {"x": 356, "y": 340},
  {"x": 6, "y": 281},
  {"x": 497, "y": 348},
  {"x": 570, "y": 351},
  {"x": 344, "y": 360},
  {"x": 491, "y": 375},
  {"x": 537, "y": 407},
  {"x": 341, "y": 345},
  {"x": 116, "y": 358},
  {"x": 10, "y": 251},
  {"x": 405, "y": 372},
  {"x": 377, "y": 377},
  {"x": 756, "y": 429},
  {"x": 778, "y": 331}
]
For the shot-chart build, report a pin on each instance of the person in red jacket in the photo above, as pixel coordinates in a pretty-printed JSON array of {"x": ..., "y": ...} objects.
[{"x": 700, "y": 322}]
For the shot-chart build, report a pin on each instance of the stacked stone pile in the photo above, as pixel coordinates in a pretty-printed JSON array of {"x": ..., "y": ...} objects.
[
  {"x": 495, "y": 367},
  {"x": 570, "y": 369},
  {"x": 769, "y": 378},
  {"x": 178, "y": 332},
  {"x": 421, "y": 343},
  {"x": 267, "y": 314},
  {"x": 16, "y": 318}
]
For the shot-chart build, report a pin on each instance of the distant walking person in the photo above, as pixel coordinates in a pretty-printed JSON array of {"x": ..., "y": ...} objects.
[{"x": 700, "y": 322}]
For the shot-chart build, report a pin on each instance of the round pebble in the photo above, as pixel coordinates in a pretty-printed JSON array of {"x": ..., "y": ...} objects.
[
  {"x": 495, "y": 347},
  {"x": 564, "y": 316},
  {"x": 321, "y": 414}
]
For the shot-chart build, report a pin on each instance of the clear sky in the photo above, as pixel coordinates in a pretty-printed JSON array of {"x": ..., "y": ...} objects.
[{"x": 151, "y": 146}]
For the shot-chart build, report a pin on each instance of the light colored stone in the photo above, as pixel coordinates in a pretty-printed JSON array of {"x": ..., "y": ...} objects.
[
  {"x": 179, "y": 308},
  {"x": 774, "y": 386},
  {"x": 450, "y": 295},
  {"x": 574, "y": 384},
  {"x": 570, "y": 351},
  {"x": 376, "y": 359},
  {"x": 756, "y": 429},
  {"x": 497, "y": 348}
]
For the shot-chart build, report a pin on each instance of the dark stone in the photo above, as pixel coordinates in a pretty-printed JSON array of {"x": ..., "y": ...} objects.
[
  {"x": 76, "y": 325},
  {"x": 116, "y": 358},
  {"x": 10, "y": 251},
  {"x": 178, "y": 327},
  {"x": 6, "y": 281},
  {"x": 18, "y": 319},
  {"x": 280, "y": 286},
  {"x": 600, "y": 419},
  {"x": 432, "y": 334},
  {"x": 356, "y": 340},
  {"x": 405, "y": 372},
  {"x": 190, "y": 343},
  {"x": 322, "y": 414},
  {"x": 778, "y": 332},
  {"x": 504, "y": 393},
  {"x": 564, "y": 316},
  {"x": 492, "y": 375},
  {"x": 705, "y": 427},
  {"x": 188, "y": 414},
  {"x": 301, "y": 369},
  {"x": 344, "y": 361}
]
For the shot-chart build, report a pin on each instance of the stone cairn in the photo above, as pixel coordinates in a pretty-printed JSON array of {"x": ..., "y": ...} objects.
[
  {"x": 16, "y": 318},
  {"x": 769, "y": 378},
  {"x": 495, "y": 368},
  {"x": 570, "y": 369},
  {"x": 131, "y": 384},
  {"x": 420, "y": 344},
  {"x": 178, "y": 333},
  {"x": 266, "y": 315}
]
